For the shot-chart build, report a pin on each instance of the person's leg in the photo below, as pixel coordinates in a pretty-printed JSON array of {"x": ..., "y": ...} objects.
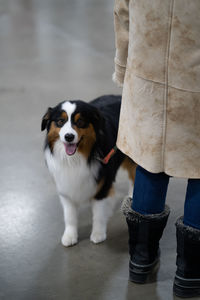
[
  {"x": 192, "y": 204},
  {"x": 146, "y": 216},
  {"x": 187, "y": 279},
  {"x": 150, "y": 191}
]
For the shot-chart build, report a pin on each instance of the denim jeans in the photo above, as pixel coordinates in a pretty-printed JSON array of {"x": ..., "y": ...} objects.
[{"x": 150, "y": 191}]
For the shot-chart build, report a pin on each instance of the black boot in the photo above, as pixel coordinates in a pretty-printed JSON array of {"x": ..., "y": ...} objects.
[
  {"x": 187, "y": 279},
  {"x": 145, "y": 232}
]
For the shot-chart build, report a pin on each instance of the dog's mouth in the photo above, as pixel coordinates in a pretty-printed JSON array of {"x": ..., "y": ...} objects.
[{"x": 70, "y": 148}]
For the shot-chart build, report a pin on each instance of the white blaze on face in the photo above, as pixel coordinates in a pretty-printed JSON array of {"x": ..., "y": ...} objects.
[
  {"x": 70, "y": 148},
  {"x": 69, "y": 108}
]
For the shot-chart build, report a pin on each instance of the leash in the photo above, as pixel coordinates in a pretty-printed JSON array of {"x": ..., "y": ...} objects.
[{"x": 107, "y": 158}]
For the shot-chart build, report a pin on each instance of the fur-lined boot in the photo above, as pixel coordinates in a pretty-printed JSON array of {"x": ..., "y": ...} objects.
[
  {"x": 145, "y": 232},
  {"x": 187, "y": 279}
]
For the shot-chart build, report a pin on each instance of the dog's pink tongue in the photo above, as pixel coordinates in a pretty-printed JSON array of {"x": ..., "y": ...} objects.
[{"x": 70, "y": 148}]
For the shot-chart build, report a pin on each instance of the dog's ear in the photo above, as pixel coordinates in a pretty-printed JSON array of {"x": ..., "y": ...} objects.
[{"x": 46, "y": 118}]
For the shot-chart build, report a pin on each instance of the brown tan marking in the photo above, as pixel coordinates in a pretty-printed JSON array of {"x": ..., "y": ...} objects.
[
  {"x": 64, "y": 116},
  {"x": 130, "y": 166},
  {"x": 111, "y": 191},
  {"x": 86, "y": 136},
  {"x": 77, "y": 116},
  {"x": 99, "y": 186},
  {"x": 53, "y": 135}
]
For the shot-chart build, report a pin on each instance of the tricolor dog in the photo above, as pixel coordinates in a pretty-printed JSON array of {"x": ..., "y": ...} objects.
[{"x": 79, "y": 136}]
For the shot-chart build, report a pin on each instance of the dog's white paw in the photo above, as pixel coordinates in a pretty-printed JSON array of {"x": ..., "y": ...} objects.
[
  {"x": 97, "y": 237},
  {"x": 69, "y": 237}
]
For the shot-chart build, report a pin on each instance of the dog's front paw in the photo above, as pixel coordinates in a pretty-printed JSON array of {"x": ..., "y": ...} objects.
[
  {"x": 70, "y": 237},
  {"x": 97, "y": 237}
]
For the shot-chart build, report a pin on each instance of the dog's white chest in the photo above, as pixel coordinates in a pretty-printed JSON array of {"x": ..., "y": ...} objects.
[{"x": 74, "y": 179}]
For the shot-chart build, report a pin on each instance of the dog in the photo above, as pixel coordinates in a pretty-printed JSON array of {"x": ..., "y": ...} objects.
[{"x": 79, "y": 136}]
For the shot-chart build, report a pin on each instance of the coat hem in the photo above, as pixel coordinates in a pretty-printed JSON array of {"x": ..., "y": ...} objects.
[{"x": 156, "y": 170}]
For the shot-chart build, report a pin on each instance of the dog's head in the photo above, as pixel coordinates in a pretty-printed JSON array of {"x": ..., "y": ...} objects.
[{"x": 74, "y": 124}]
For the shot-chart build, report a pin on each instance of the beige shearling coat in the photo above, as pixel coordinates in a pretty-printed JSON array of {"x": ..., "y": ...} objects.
[{"x": 158, "y": 63}]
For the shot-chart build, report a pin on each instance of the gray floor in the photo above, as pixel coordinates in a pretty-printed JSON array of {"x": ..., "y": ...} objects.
[{"x": 51, "y": 50}]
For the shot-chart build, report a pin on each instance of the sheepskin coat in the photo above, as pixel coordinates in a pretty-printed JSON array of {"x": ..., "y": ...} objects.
[{"x": 158, "y": 63}]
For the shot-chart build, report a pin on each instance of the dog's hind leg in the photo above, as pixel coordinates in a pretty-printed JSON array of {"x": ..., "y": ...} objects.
[{"x": 70, "y": 235}]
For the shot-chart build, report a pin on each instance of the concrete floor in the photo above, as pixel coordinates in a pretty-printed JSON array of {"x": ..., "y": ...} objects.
[{"x": 51, "y": 50}]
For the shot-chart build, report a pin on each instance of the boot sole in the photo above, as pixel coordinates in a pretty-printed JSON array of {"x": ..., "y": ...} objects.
[
  {"x": 186, "y": 288},
  {"x": 141, "y": 273}
]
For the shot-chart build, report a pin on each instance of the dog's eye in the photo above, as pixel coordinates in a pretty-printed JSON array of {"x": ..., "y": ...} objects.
[
  {"x": 60, "y": 122},
  {"x": 80, "y": 123}
]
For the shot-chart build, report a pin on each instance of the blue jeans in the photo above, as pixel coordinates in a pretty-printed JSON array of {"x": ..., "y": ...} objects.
[{"x": 150, "y": 191}]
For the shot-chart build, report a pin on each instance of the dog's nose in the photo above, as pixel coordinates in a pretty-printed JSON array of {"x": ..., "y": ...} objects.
[{"x": 69, "y": 137}]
